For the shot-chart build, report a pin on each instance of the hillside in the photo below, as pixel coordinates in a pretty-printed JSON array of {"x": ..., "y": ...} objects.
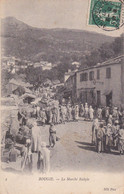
[{"x": 53, "y": 45}]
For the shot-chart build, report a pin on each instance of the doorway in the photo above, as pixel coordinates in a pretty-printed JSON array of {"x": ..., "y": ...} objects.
[
  {"x": 98, "y": 98},
  {"x": 109, "y": 99}
]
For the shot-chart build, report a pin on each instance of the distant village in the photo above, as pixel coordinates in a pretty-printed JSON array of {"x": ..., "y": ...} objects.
[
  {"x": 18, "y": 85},
  {"x": 96, "y": 85},
  {"x": 14, "y": 65}
]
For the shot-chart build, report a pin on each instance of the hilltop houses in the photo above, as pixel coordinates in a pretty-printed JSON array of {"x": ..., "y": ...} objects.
[{"x": 13, "y": 64}]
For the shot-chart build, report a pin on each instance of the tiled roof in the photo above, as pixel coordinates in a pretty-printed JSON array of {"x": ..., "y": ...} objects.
[{"x": 108, "y": 62}]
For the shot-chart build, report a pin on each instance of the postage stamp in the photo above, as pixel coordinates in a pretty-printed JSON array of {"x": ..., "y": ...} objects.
[{"x": 106, "y": 14}]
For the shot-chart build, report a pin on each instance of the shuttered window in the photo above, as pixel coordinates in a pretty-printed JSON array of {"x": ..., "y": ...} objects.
[{"x": 108, "y": 73}]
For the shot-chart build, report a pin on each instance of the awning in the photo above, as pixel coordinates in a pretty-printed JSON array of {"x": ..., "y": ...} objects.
[
  {"x": 107, "y": 92},
  {"x": 28, "y": 96}
]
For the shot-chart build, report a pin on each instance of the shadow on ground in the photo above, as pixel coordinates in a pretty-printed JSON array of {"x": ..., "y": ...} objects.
[
  {"x": 86, "y": 146},
  {"x": 91, "y": 147},
  {"x": 9, "y": 169}
]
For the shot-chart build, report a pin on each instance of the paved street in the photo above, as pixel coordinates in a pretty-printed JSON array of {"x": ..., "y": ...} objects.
[{"x": 74, "y": 150}]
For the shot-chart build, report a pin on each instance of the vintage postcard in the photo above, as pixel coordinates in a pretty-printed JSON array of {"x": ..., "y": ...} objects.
[{"x": 62, "y": 97}]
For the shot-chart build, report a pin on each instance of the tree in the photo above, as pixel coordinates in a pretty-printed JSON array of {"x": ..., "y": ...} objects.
[
  {"x": 93, "y": 58},
  {"x": 118, "y": 45},
  {"x": 5, "y": 77},
  {"x": 106, "y": 51}
]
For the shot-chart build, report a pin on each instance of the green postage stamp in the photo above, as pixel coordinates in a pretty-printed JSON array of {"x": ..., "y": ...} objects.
[{"x": 106, "y": 14}]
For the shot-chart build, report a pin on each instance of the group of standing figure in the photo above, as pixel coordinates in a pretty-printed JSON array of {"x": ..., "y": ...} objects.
[
  {"x": 39, "y": 147},
  {"x": 62, "y": 113},
  {"x": 29, "y": 138},
  {"x": 108, "y": 134},
  {"x": 107, "y": 130}
]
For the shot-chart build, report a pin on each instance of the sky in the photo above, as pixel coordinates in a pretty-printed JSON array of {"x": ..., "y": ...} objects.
[{"x": 71, "y": 14}]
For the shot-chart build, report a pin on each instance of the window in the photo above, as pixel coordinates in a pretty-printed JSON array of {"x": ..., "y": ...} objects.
[
  {"x": 83, "y": 77},
  {"x": 91, "y": 75},
  {"x": 108, "y": 72},
  {"x": 98, "y": 73}
]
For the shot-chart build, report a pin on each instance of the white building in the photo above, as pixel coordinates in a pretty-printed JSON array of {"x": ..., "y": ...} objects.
[
  {"x": 102, "y": 84},
  {"x": 48, "y": 66}
]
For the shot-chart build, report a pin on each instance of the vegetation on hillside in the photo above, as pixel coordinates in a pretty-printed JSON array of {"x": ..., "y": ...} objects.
[
  {"x": 58, "y": 46},
  {"x": 105, "y": 52}
]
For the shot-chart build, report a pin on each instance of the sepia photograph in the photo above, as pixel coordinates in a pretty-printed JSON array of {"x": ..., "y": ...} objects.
[{"x": 62, "y": 96}]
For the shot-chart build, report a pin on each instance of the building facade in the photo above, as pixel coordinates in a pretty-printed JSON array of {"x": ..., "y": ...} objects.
[
  {"x": 102, "y": 84},
  {"x": 70, "y": 88}
]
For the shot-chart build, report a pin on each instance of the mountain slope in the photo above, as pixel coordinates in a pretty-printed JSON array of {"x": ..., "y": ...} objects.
[{"x": 26, "y": 42}]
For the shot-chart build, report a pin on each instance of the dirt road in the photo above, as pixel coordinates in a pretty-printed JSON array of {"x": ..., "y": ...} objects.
[{"x": 74, "y": 151}]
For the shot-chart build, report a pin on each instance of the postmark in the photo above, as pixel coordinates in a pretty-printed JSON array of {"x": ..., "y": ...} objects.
[
  {"x": 106, "y": 14},
  {"x": 122, "y": 1}
]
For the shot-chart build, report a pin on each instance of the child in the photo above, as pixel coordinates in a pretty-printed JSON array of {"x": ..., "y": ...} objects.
[{"x": 52, "y": 135}]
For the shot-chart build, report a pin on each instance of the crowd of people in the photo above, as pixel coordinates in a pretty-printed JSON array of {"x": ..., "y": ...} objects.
[
  {"x": 61, "y": 113},
  {"x": 68, "y": 112},
  {"x": 28, "y": 140},
  {"x": 108, "y": 135},
  {"x": 107, "y": 130}
]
